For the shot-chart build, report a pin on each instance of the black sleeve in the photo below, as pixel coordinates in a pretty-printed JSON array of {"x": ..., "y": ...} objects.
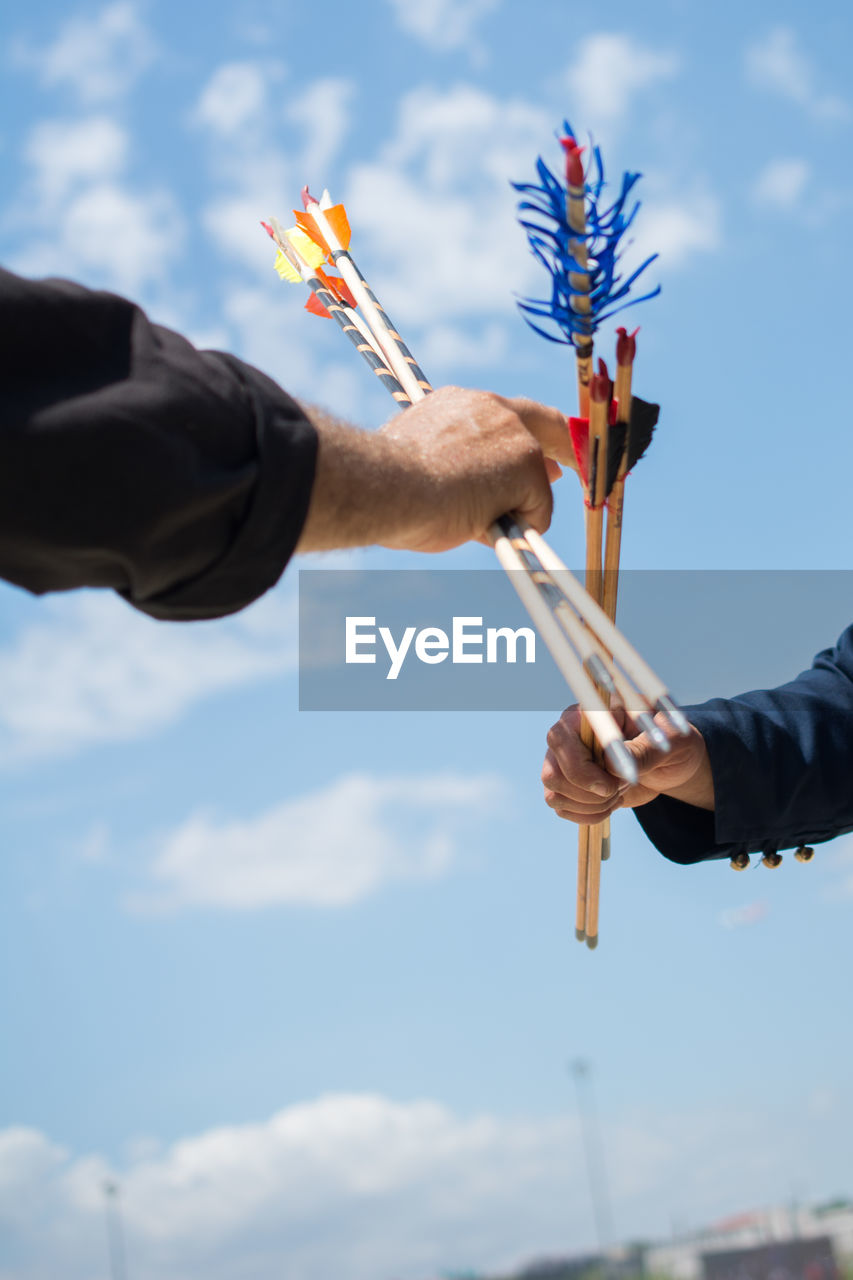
[
  {"x": 782, "y": 761},
  {"x": 128, "y": 459}
]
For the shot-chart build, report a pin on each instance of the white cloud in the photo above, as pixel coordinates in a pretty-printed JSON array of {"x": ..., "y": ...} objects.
[
  {"x": 348, "y": 1185},
  {"x": 676, "y": 229},
  {"x": 63, "y": 153},
  {"x": 442, "y": 24},
  {"x": 322, "y": 114},
  {"x": 26, "y": 1159},
  {"x": 608, "y": 73},
  {"x": 441, "y": 184},
  {"x": 112, "y": 237},
  {"x": 233, "y": 223},
  {"x": 265, "y": 146},
  {"x": 98, "y": 58},
  {"x": 266, "y": 140},
  {"x": 782, "y": 183},
  {"x": 448, "y": 347},
  {"x": 303, "y": 353},
  {"x": 238, "y": 97},
  {"x": 359, "y": 1185},
  {"x": 94, "y": 670},
  {"x": 240, "y": 110},
  {"x": 743, "y": 916},
  {"x": 328, "y": 849},
  {"x": 85, "y": 219},
  {"x": 777, "y": 63}
]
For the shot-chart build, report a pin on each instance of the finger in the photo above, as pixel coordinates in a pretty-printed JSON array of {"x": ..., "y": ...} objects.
[
  {"x": 549, "y": 426},
  {"x": 553, "y": 469},
  {"x": 634, "y": 797},
  {"x": 553, "y": 779},
  {"x": 587, "y": 809},
  {"x": 537, "y": 505},
  {"x": 583, "y": 819},
  {"x": 568, "y": 755},
  {"x": 647, "y": 756}
]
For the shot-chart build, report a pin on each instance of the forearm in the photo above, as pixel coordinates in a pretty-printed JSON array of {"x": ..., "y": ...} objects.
[{"x": 362, "y": 491}]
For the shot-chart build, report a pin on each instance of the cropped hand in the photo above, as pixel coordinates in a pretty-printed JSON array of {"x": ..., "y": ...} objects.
[
  {"x": 579, "y": 789},
  {"x": 437, "y": 475},
  {"x": 474, "y": 457}
]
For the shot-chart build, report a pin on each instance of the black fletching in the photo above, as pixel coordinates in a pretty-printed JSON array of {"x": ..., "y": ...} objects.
[{"x": 644, "y": 417}]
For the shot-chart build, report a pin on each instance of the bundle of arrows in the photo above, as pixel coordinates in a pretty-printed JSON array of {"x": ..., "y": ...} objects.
[
  {"x": 580, "y": 243},
  {"x": 595, "y": 659}
]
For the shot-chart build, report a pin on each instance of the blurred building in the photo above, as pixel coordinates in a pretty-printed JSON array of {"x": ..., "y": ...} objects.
[
  {"x": 796, "y": 1242},
  {"x": 690, "y": 1257}
]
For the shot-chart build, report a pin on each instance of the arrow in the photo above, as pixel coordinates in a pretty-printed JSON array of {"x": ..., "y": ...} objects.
[
  {"x": 399, "y": 357},
  {"x": 292, "y": 266}
]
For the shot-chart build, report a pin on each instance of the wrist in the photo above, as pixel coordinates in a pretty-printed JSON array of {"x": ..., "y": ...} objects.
[
  {"x": 362, "y": 492},
  {"x": 698, "y": 789}
]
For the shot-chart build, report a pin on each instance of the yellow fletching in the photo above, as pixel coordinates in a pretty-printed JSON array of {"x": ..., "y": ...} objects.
[
  {"x": 286, "y": 269},
  {"x": 306, "y": 248}
]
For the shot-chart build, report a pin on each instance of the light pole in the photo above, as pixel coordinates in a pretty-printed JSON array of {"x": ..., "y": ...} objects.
[
  {"x": 115, "y": 1235},
  {"x": 594, "y": 1151}
]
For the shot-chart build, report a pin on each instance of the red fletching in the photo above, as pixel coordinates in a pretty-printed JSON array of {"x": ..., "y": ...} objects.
[
  {"x": 574, "y": 162},
  {"x": 579, "y": 432},
  {"x": 307, "y": 198},
  {"x": 600, "y": 385},
  {"x": 626, "y": 346},
  {"x": 266, "y": 226},
  {"x": 317, "y": 308}
]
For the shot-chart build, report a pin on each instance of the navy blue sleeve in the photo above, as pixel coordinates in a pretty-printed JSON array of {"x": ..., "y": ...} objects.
[
  {"x": 782, "y": 761},
  {"x": 128, "y": 459}
]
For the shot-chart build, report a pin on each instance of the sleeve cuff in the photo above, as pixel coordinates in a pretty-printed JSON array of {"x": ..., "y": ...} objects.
[
  {"x": 269, "y": 531},
  {"x": 681, "y": 832}
]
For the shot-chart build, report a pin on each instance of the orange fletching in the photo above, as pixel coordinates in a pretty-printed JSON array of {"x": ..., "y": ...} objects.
[
  {"x": 339, "y": 222},
  {"x": 316, "y": 307},
  {"x": 342, "y": 291},
  {"x": 307, "y": 225},
  {"x": 338, "y": 287}
]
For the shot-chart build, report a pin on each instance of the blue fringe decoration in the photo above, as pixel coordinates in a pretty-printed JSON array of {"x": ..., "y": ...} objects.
[{"x": 550, "y": 239}]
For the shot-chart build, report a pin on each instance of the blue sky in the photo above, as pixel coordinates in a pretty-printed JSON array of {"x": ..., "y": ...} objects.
[{"x": 306, "y": 985}]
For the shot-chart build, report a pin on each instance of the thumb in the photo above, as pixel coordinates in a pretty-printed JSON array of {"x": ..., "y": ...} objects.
[{"x": 647, "y": 754}]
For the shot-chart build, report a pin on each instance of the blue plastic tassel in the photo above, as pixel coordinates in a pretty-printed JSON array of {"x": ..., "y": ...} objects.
[{"x": 543, "y": 214}]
